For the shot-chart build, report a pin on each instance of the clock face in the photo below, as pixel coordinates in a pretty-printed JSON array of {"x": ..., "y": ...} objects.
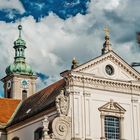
[
  {"x": 109, "y": 69},
  {"x": 25, "y": 83}
]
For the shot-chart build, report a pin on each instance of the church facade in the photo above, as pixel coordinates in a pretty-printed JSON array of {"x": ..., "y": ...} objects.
[{"x": 97, "y": 100}]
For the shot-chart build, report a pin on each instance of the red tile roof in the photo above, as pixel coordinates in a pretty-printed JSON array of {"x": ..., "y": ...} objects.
[{"x": 7, "y": 108}]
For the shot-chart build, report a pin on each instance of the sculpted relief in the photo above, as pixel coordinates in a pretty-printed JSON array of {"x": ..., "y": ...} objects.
[
  {"x": 61, "y": 125},
  {"x": 62, "y": 104}
]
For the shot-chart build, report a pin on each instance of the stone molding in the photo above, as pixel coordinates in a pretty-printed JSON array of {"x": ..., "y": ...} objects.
[
  {"x": 75, "y": 138},
  {"x": 91, "y": 81},
  {"x": 134, "y": 100},
  {"x": 115, "y": 59},
  {"x": 112, "y": 108}
]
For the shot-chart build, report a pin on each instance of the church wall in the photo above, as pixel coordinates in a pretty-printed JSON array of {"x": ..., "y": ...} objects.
[
  {"x": 86, "y": 120},
  {"x": 25, "y": 132}
]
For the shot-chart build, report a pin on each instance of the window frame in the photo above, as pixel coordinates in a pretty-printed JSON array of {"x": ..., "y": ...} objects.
[
  {"x": 115, "y": 110},
  {"x": 112, "y": 122}
]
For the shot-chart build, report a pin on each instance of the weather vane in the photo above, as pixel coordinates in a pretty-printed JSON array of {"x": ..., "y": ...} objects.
[{"x": 107, "y": 31}]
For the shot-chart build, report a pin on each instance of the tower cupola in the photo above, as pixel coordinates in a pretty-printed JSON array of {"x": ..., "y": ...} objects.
[{"x": 19, "y": 66}]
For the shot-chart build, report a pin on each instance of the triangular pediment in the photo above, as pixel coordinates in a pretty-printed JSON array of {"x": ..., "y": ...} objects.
[
  {"x": 112, "y": 107},
  {"x": 121, "y": 70}
]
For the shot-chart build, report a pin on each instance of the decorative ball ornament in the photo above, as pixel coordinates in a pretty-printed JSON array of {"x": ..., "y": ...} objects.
[
  {"x": 19, "y": 27},
  {"x": 109, "y": 69}
]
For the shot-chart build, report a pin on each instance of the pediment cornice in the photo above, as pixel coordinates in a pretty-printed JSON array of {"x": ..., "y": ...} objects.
[
  {"x": 115, "y": 59},
  {"x": 113, "y": 107}
]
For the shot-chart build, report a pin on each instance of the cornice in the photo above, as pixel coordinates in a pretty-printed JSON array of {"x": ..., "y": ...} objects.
[
  {"x": 115, "y": 59},
  {"x": 90, "y": 81}
]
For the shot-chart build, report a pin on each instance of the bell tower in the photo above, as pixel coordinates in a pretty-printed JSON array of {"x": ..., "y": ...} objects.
[{"x": 19, "y": 82}]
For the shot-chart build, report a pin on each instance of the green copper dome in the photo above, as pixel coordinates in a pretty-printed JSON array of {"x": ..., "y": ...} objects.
[{"x": 19, "y": 68}]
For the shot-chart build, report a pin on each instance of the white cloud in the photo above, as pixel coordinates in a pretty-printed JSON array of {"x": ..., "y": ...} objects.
[
  {"x": 12, "y": 4},
  {"x": 53, "y": 42}
]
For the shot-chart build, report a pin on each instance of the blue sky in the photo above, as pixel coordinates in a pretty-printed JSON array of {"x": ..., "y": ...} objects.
[
  {"x": 55, "y": 31},
  {"x": 41, "y": 8}
]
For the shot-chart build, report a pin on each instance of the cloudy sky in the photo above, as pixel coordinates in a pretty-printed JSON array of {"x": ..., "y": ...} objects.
[{"x": 58, "y": 30}]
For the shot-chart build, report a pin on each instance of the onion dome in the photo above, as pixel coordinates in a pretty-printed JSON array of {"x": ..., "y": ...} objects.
[{"x": 19, "y": 68}]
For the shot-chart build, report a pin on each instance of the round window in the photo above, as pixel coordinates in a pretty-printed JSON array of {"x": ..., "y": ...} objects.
[{"x": 109, "y": 69}]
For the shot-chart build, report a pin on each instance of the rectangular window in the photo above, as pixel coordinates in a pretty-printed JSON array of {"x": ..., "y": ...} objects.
[{"x": 112, "y": 128}]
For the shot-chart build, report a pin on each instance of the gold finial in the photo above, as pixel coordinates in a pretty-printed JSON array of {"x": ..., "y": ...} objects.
[
  {"x": 107, "y": 31},
  {"x": 106, "y": 45}
]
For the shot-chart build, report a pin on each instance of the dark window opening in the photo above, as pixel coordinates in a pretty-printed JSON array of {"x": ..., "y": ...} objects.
[
  {"x": 16, "y": 138},
  {"x": 38, "y": 134},
  {"x": 8, "y": 94},
  {"x": 24, "y": 94}
]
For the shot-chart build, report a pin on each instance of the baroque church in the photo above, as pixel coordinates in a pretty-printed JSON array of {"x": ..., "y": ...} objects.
[{"x": 97, "y": 100}]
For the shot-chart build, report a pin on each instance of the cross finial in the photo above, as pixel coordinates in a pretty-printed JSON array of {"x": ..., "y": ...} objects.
[
  {"x": 106, "y": 45},
  {"x": 107, "y": 31},
  {"x": 19, "y": 28}
]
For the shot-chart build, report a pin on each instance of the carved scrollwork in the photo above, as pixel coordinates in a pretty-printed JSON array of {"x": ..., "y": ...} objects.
[
  {"x": 62, "y": 103},
  {"x": 61, "y": 127}
]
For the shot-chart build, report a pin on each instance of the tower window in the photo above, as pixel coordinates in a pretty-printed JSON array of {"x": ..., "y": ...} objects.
[
  {"x": 15, "y": 138},
  {"x": 8, "y": 94},
  {"x": 24, "y": 94},
  {"x": 112, "y": 128}
]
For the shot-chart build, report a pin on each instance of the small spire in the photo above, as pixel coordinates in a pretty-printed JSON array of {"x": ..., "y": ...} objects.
[
  {"x": 19, "y": 28},
  {"x": 106, "y": 45},
  {"x": 74, "y": 63}
]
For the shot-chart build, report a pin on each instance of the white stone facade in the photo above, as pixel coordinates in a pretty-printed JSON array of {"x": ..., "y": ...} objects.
[{"x": 91, "y": 95}]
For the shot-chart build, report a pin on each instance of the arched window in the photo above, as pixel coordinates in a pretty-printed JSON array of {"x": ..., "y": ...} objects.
[
  {"x": 24, "y": 94},
  {"x": 112, "y": 128},
  {"x": 15, "y": 138},
  {"x": 38, "y": 134}
]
